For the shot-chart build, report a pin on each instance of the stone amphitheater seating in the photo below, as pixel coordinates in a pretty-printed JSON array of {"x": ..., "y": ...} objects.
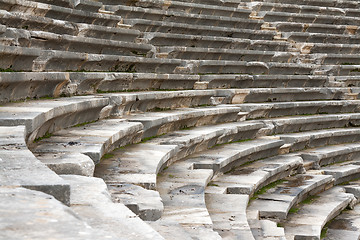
[{"x": 186, "y": 119}]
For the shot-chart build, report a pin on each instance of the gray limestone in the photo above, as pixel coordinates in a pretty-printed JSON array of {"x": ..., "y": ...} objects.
[
  {"x": 311, "y": 139},
  {"x": 250, "y": 178},
  {"x": 228, "y": 214},
  {"x": 276, "y": 202},
  {"x": 311, "y": 218},
  {"x": 330, "y": 154},
  {"x": 343, "y": 172},
  {"x": 20, "y": 168},
  {"x": 159, "y": 123},
  {"x": 27, "y": 214},
  {"x": 91, "y": 200}
]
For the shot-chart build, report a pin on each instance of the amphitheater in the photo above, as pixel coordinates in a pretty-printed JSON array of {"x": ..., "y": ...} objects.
[{"x": 184, "y": 119}]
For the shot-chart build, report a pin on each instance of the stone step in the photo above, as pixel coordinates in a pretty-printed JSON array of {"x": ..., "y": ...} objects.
[
  {"x": 29, "y": 59},
  {"x": 343, "y": 172},
  {"x": 250, "y": 178},
  {"x": 14, "y": 86},
  {"x": 345, "y": 226},
  {"x": 27, "y": 213},
  {"x": 308, "y": 222},
  {"x": 228, "y": 214},
  {"x": 167, "y": 149},
  {"x": 84, "y": 5},
  {"x": 46, "y": 24},
  {"x": 224, "y": 158},
  {"x": 193, "y": 53},
  {"x": 193, "y": 8},
  {"x": 322, "y": 37},
  {"x": 316, "y": 157},
  {"x": 91, "y": 200},
  {"x": 45, "y": 40},
  {"x": 286, "y": 27},
  {"x": 324, "y": 137},
  {"x": 93, "y": 140},
  {"x": 309, "y": 123},
  {"x": 182, "y": 191},
  {"x": 59, "y": 13},
  {"x": 158, "y": 123},
  {"x": 257, "y": 95},
  {"x": 302, "y": 9},
  {"x": 262, "y": 81},
  {"x": 20, "y": 168},
  {"x": 328, "y": 48},
  {"x": 319, "y": 3},
  {"x": 276, "y": 202},
  {"x": 47, "y": 116},
  {"x": 206, "y": 41},
  {"x": 273, "y": 16},
  {"x": 279, "y": 109},
  {"x": 179, "y": 28},
  {"x": 353, "y": 81},
  {"x": 130, "y": 12},
  {"x": 135, "y": 169}
]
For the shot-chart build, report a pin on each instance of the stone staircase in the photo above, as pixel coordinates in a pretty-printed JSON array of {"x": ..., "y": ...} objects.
[{"x": 184, "y": 119}]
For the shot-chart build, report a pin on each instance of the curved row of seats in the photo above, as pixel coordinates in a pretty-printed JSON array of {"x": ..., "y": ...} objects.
[{"x": 199, "y": 119}]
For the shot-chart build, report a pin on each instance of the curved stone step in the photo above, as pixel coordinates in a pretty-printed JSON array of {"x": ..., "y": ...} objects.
[
  {"x": 311, "y": 218},
  {"x": 62, "y": 151},
  {"x": 167, "y": 149},
  {"x": 91, "y": 200},
  {"x": 84, "y": 5},
  {"x": 345, "y": 226},
  {"x": 249, "y": 178},
  {"x": 312, "y": 139},
  {"x": 343, "y": 172},
  {"x": 140, "y": 164},
  {"x": 130, "y": 12},
  {"x": 310, "y": 18},
  {"x": 309, "y": 123},
  {"x": 314, "y": 158},
  {"x": 194, "y": 8},
  {"x": 20, "y": 168},
  {"x": 27, "y": 213},
  {"x": 262, "y": 81},
  {"x": 62, "y": 42},
  {"x": 279, "y": 109},
  {"x": 276, "y": 202},
  {"x": 60, "y": 13},
  {"x": 173, "y": 27},
  {"x": 56, "y": 60},
  {"x": 302, "y": 9},
  {"x": 47, "y": 116},
  {"x": 319, "y": 3},
  {"x": 39, "y": 23},
  {"x": 158, "y": 123},
  {"x": 205, "y": 41},
  {"x": 321, "y": 37},
  {"x": 265, "y": 95}
]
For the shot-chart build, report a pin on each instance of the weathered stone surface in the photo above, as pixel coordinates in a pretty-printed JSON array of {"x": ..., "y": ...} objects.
[
  {"x": 309, "y": 220},
  {"x": 20, "y": 168},
  {"x": 27, "y": 214},
  {"x": 276, "y": 202},
  {"x": 91, "y": 200}
]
